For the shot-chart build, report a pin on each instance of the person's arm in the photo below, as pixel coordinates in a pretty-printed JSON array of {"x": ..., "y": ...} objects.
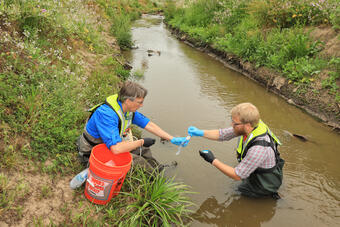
[
  {"x": 215, "y": 134},
  {"x": 126, "y": 146},
  {"x": 211, "y": 134},
  {"x": 227, "y": 170},
  {"x": 106, "y": 123},
  {"x": 208, "y": 156},
  {"x": 156, "y": 130}
]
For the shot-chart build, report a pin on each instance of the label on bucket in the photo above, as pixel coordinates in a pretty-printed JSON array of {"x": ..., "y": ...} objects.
[{"x": 99, "y": 188}]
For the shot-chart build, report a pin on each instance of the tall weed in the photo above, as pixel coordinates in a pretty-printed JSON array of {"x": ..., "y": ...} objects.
[
  {"x": 285, "y": 45},
  {"x": 170, "y": 10},
  {"x": 153, "y": 200},
  {"x": 121, "y": 29},
  {"x": 201, "y": 13},
  {"x": 231, "y": 13},
  {"x": 242, "y": 41}
]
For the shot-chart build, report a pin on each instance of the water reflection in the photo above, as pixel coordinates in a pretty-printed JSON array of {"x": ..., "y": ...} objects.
[{"x": 235, "y": 211}]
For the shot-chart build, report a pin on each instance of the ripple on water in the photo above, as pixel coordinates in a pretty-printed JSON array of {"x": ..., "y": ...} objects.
[{"x": 313, "y": 193}]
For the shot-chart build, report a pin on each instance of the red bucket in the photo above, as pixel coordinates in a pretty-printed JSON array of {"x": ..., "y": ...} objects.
[{"x": 106, "y": 175}]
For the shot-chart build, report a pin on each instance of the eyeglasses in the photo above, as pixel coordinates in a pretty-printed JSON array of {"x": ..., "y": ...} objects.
[
  {"x": 139, "y": 102},
  {"x": 236, "y": 124}
]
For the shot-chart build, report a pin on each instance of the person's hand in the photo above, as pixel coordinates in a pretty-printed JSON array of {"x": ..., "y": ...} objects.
[
  {"x": 180, "y": 141},
  {"x": 193, "y": 131},
  {"x": 148, "y": 142},
  {"x": 207, "y": 155}
]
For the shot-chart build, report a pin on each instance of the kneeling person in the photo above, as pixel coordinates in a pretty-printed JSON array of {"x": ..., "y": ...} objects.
[{"x": 110, "y": 122}]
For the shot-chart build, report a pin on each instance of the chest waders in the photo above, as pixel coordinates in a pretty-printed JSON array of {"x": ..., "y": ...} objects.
[{"x": 262, "y": 182}]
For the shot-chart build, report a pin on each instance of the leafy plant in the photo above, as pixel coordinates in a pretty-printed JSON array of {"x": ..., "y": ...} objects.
[
  {"x": 330, "y": 82},
  {"x": 300, "y": 69},
  {"x": 153, "y": 200}
]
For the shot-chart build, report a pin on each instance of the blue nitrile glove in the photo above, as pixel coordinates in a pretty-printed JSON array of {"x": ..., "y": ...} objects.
[
  {"x": 193, "y": 131},
  {"x": 180, "y": 141},
  {"x": 207, "y": 155}
]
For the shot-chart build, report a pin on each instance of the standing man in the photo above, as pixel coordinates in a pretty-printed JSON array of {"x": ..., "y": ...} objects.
[
  {"x": 110, "y": 122},
  {"x": 260, "y": 165}
]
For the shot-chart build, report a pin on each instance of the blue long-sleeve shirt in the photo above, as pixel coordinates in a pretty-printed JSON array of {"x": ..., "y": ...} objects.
[{"x": 104, "y": 124}]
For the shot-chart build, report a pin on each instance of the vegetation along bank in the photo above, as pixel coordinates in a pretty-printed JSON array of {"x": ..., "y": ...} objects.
[
  {"x": 291, "y": 47},
  {"x": 57, "y": 59}
]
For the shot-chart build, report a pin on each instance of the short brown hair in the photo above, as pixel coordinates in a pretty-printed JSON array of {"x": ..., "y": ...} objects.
[
  {"x": 247, "y": 112},
  {"x": 131, "y": 90}
]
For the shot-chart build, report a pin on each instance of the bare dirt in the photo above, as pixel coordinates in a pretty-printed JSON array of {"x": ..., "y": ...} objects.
[
  {"x": 329, "y": 37},
  {"x": 311, "y": 98},
  {"x": 36, "y": 198}
]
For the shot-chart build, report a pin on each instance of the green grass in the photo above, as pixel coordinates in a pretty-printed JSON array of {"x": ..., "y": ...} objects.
[
  {"x": 267, "y": 33},
  {"x": 55, "y": 63},
  {"x": 121, "y": 29},
  {"x": 150, "y": 200}
]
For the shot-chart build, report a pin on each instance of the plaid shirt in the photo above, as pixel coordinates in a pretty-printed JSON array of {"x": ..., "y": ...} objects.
[{"x": 257, "y": 156}]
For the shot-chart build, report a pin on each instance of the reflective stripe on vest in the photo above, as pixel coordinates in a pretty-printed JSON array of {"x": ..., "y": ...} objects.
[
  {"x": 124, "y": 121},
  {"x": 260, "y": 130}
]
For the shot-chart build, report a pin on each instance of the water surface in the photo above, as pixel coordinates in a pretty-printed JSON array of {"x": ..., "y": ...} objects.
[{"x": 187, "y": 87}]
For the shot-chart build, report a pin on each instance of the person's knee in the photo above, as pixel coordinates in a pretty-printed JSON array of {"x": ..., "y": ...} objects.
[{"x": 84, "y": 159}]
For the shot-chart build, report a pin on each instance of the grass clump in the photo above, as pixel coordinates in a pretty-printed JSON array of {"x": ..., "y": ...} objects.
[
  {"x": 121, "y": 14},
  {"x": 150, "y": 200},
  {"x": 121, "y": 28}
]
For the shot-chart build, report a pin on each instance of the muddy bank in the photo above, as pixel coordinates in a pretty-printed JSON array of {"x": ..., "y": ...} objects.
[{"x": 312, "y": 98}]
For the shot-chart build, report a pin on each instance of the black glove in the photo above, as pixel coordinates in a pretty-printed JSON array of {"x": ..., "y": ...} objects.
[
  {"x": 207, "y": 155},
  {"x": 148, "y": 142}
]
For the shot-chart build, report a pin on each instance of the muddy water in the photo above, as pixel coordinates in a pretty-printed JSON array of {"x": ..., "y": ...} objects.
[{"x": 187, "y": 87}]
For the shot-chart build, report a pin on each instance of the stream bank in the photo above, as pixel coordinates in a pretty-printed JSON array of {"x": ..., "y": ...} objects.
[{"x": 313, "y": 100}]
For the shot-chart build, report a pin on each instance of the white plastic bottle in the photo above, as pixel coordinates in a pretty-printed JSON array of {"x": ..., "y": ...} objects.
[
  {"x": 79, "y": 179},
  {"x": 181, "y": 145}
]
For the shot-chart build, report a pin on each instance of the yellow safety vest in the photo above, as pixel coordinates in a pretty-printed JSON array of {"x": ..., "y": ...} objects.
[
  {"x": 124, "y": 120},
  {"x": 260, "y": 130}
]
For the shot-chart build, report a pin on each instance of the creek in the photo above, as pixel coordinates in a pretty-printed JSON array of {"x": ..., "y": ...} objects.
[{"x": 187, "y": 87}]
